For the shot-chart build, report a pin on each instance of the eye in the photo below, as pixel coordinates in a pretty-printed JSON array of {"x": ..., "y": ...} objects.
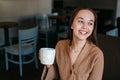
[
  {"x": 90, "y": 23},
  {"x": 80, "y": 21}
]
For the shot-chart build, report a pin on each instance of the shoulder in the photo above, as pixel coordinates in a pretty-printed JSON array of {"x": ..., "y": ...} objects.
[
  {"x": 95, "y": 50},
  {"x": 62, "y": 43},
  {"x": 61, "y": 49}
]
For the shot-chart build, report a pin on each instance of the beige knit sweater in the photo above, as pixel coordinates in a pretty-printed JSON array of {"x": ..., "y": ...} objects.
[{"x": 88, "y": 66}]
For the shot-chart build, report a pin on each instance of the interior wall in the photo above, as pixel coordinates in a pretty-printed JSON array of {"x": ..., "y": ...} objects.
[
  {"x": 100, "y": 4},
  {"x": 12, "y": 9}
]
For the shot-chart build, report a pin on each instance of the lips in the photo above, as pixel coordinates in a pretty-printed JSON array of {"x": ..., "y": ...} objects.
[{"x": 83, "y": 32}]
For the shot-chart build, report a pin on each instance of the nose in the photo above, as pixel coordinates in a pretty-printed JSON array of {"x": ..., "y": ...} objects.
[{"x": 84, "y": 26}]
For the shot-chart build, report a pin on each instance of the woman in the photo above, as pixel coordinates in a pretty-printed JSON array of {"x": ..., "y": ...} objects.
[{"x": 78, "y": 58}]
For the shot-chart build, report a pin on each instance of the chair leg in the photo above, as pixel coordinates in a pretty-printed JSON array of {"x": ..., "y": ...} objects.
[
  {"x": 20, "y": 65},
  {"x": 1, "y": 62},
  {"x": 36, "y": 62},
  {"x": 6, "y": 60}
]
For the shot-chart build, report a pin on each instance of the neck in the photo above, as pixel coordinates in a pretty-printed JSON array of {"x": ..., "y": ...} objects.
[{"x": 77, "y": 44}]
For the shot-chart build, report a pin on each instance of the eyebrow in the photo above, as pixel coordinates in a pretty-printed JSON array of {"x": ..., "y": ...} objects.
[{"x": 83, "y": 18}]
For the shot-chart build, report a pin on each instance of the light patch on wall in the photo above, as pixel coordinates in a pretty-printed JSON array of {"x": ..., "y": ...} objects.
[{"x": 18, "y": 8}]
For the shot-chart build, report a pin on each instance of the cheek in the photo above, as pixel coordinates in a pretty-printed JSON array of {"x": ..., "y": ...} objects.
[
  {"x": 75, "y": 26},
  {"x": 72, "y": 26},
  {"x": 91, "y": 29}
]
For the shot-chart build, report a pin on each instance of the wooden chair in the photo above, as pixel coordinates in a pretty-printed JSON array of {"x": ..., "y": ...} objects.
[{"x": 25, "y": 49}]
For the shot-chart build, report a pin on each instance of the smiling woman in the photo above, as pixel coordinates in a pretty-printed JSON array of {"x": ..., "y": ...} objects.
[{"x": 78, "y": 58}]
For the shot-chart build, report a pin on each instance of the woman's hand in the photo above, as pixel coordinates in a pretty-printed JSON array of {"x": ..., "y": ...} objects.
[{"x": 48, "y": 66}]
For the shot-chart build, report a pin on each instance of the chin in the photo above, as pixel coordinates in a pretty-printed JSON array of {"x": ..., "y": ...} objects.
[{"x": 82, "y": 38}]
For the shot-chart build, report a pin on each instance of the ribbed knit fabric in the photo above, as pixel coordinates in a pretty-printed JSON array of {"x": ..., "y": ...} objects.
[{"x": 88, "y": 65}]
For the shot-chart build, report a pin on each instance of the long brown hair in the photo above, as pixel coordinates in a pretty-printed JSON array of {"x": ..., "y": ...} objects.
[{"x": 92, "y": 37}]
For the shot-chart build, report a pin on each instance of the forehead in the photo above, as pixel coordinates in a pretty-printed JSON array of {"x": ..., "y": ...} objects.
[{"x": 86, "y": 14}]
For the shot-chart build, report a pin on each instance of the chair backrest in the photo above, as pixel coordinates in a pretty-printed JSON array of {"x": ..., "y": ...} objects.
[
  {"x": 27, "y": 21},
  {"x": 28, "y": 37},
  {"x": 13, "y": 33}
]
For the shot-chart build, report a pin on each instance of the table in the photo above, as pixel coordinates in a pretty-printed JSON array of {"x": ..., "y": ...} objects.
[
  {"x": 6, "y": 26},
  {"x": 60, "y": 18},
  {"x": 60, "y": 21}
]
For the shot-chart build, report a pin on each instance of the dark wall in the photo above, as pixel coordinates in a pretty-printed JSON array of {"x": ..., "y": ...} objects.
[
  {"x": 105, "y": 9},
  {"x": 101, "y": 4}
]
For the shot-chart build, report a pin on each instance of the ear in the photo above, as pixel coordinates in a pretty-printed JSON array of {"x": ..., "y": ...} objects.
[{"x": 72, "y": 27}]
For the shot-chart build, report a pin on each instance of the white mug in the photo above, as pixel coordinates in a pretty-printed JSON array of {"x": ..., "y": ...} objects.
[{"x": 47, "y": 55}]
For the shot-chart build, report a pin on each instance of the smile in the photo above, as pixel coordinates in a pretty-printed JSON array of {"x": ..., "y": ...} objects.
[{"x": 83, "y": 32}]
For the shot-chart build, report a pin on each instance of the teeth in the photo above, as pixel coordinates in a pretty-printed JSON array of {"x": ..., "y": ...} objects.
[{"x": 83, "y": 32}]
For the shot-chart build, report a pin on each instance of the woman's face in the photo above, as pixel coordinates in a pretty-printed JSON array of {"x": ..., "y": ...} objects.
[{"x": 83, "y": 24}]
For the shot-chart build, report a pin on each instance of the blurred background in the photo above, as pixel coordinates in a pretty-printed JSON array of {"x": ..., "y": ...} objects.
[{"x": 52, "y": 18}]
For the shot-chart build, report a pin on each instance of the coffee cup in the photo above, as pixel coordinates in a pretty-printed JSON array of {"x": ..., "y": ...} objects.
[{"x": 47, "y": 56}]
